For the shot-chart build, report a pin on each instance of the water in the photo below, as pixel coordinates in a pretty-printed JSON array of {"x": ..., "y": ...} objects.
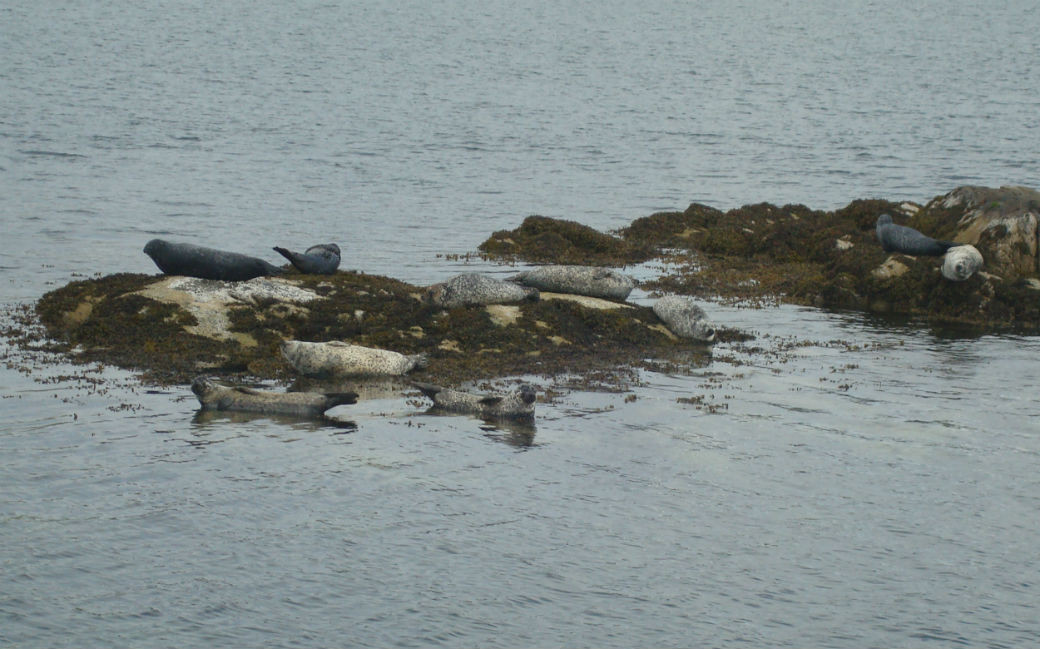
[{"x": 854, "y": 483}]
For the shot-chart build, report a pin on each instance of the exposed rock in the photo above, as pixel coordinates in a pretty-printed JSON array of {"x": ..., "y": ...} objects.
[{"x": 209, "y": 300}]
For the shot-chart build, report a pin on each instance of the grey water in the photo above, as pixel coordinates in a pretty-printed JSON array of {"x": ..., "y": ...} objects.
[{"x": 840, "y": 481}]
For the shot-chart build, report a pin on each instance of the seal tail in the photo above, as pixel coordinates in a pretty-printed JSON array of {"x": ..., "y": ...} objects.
[{"x": 285, "y": 252}]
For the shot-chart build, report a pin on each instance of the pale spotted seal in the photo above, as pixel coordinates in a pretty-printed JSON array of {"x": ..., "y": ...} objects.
[
  {"x": 337, "y": 358},
  {"x": 206, "y": 263},
  {"x": 214, "y": 396},
  {"x": 593, "y": 281},
  {"x": 684, "y": 318},
  {"x": 961, "y": 262},
  {"x": 322, "y": 259},
  {"x": 518, "y": 404},
  {"x": 475, "y": 289},
  {"x": 908, "y": 241}
]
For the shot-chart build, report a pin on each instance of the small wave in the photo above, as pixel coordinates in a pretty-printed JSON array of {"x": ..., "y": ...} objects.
[{"x": 54, "y": 154}]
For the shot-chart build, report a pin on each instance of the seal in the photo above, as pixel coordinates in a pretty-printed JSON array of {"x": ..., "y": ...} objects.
[
  {"x": 908, "y": 241},
  {"x": 206, "y": 263},
  {"x": 337, "y": 358},
  {"x": 470, "y": 289},
  {"x": 518, "y": 404},
  {"x": 214, "y": 396},
  {"x": 684, "y": 318},
  {"x": 592, "y": 281},
  {"x": 961, "y": 262},
  {"x": 322, "y": 259}
]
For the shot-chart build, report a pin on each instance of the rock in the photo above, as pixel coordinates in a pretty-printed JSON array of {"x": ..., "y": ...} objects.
[
  {"x": 891, "y": 269},
  {"x": 1001, "y": 223},
  {"x": 209, "y": 299}
]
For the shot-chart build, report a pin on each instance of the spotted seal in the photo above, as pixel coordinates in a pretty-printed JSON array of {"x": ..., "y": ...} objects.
[
  {"x": 684, "y": 318},
  {"x": 206, "y": 263},
  {"x": 593, "y": 281},
  {"x": 322, "y": 259},
  {"x": 475, "y": 289},
  {"x": 961, "y": 262},
  {"x": 337, "y": 358},
  {"x": 214, "y": 396},
  {"x": 518, "y": 404},
  {"x": 908, "y": 241}
]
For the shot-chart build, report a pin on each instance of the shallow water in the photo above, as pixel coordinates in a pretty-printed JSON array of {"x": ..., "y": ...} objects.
[{"x": 838, "y": 481}]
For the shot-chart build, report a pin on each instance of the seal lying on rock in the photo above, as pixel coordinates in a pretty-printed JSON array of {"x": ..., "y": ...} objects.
[
  {"x": 899, "y": 238},
  {"x": 214, "y": 396},
  {"x": 518, "y": 404},
  {"x": 206, "y": 263},
  {"x": 476, "y": 289},
  {"x": 338, "y": 358},
  {"x": 593, "y": 281},
  {"x": 961, "y": 262},
  {"x": 322, "y": 259},
  {"x": 684, "y": 318}
]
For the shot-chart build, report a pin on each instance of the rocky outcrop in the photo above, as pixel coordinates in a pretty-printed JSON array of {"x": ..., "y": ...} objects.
[{"x": 1001, "y": 223}]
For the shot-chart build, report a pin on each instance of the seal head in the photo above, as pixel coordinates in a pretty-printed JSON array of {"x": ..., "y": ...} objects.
[{"x": 908, "y": 241}]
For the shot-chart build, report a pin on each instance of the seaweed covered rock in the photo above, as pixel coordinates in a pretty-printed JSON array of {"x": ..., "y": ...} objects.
[
  {"x": 156, "y": 325},
  {"x": 833, "y": 259},
  {"x": 544, "y": 239}
]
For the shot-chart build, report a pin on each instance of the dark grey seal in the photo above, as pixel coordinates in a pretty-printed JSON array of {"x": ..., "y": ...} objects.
[
  {"x": 322, "y": 259},
  {"x": 214, "y": 396},
  {"x": 908, "y": 241},
  {"x": 518, "y": 404},
  {"x": 206, "y": 263}
]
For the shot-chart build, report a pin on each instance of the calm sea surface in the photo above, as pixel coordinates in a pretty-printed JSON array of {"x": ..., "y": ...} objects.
[{"x": 849, "y": 483}]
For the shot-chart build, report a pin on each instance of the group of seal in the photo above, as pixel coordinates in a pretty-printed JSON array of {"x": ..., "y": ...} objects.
[
  {"x": 212, "y": 395},
  {"x": 960, "y": 261},
  {"x": 191, "y": 260}
]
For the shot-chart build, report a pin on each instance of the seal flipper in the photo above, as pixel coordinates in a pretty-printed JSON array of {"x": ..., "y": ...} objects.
[
  {"x": 491, "y": 401},
  {"x": 428, "y": 389}
]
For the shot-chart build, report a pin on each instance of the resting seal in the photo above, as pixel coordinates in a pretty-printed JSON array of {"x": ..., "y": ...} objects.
[
  {"x": 899, "y": 238},
  {"x": 961, "y": 262},
  {"x": 474, "y": 289},
  {"x": 338, "y": 358},
  {"x": 579, "y": 280},
  {"x": 206, "y": 263},
  {"x": 518, "y": 404},
  {"x": 214, "y": 396},
  {"x": 322, "y": 259},
  {"x": 684, "y": 318}
]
